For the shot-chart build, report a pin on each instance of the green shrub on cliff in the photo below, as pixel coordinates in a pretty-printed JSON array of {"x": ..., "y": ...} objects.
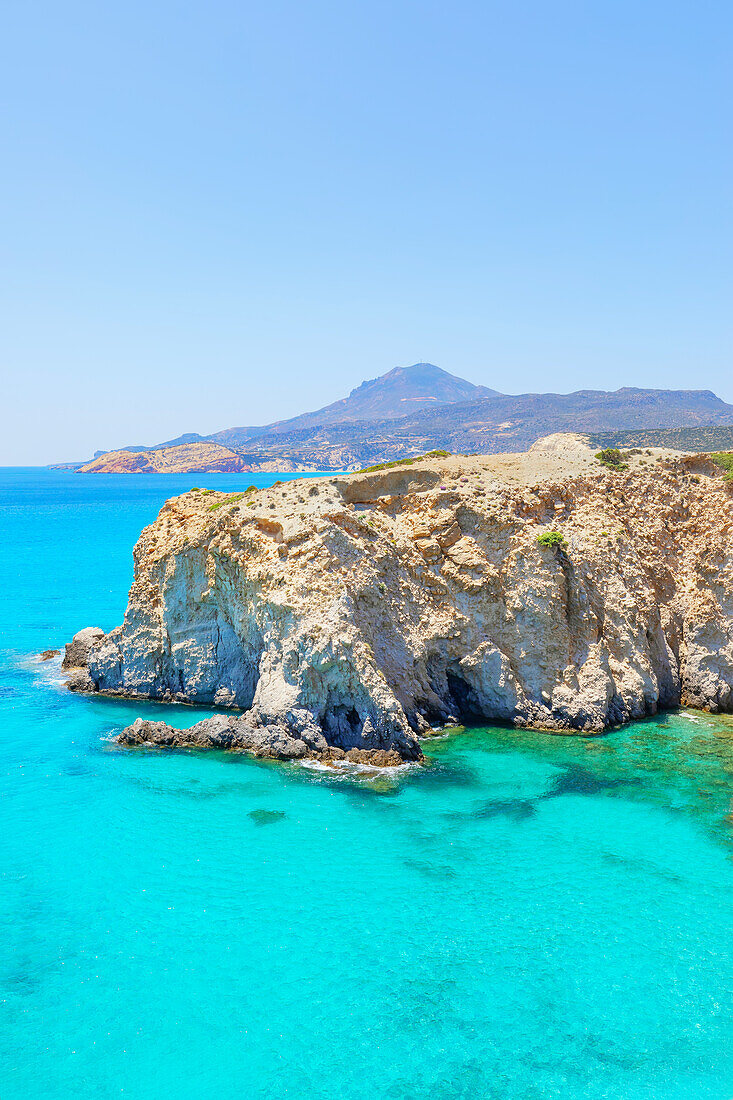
[
  {"x": 552, "y": 540},
  {"x": 403, "y": 462},
  {"x": 612, "y": 458},
  {"x": 724, "y": 459}
]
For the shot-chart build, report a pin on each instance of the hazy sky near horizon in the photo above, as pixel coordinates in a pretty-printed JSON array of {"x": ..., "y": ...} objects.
[{"x": 228, "y": 213}]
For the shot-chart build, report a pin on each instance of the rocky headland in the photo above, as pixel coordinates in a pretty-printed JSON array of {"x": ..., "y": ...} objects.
[
  {"x": 185, "y": 458},
  {"x": 347, "y": 616}
]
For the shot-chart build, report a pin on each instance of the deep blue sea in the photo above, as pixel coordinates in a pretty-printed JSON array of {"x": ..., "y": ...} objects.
[{"x": 525, "y": 916}]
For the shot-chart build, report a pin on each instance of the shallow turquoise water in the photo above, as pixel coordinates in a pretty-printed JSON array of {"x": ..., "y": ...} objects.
[{"x": 527, "y": 916}]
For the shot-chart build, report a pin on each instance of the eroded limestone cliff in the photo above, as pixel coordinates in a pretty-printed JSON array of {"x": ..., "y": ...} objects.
[{"x": 352, "y": 613}]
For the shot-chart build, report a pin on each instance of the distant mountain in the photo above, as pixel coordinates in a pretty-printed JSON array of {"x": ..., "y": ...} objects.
[
  {"x": 507, "y": 423},
  {"x": 420, "y": 408},
  {"x": 401, "y": 392},
  {"x": 488, "y": 426},
  {"x": 188, "y": 437}
]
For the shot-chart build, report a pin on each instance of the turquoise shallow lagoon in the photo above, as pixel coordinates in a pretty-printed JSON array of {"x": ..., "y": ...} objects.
[{"x": 526, "y": 916}]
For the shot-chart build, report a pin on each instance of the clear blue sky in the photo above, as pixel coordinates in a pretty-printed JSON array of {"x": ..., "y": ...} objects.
[{"x": 226, "y": 213}]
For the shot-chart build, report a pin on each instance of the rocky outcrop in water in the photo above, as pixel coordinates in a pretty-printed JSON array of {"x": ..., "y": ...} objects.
[
  {"x": 236, "y": 733},
  {"x": 78, "y": 650},
  {"x": 356, "y": 612}
]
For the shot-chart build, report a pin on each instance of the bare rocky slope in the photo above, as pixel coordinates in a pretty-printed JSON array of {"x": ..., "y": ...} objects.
[{"x": 352, "y": 614}]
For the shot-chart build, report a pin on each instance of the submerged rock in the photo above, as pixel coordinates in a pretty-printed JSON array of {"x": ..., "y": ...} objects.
[
  {"x": 351, "y": 614},
  {"x": 267, "y": 817}
]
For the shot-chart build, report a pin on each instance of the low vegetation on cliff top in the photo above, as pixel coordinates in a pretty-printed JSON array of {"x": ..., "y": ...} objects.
[
  {"x": 403, "y": 462},
  {"x": 715, "y": 438},
  {"x": 612, "y": 458},
  {"x": 724, "y": 459},
  {"x": 230, "y": 498}
]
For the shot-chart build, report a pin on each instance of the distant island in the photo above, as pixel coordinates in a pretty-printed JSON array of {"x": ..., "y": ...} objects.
[{"x": 413, "y": 410}]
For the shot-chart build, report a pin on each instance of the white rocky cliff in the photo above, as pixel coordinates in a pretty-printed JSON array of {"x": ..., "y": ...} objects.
[{"x": 353, "y": 613}]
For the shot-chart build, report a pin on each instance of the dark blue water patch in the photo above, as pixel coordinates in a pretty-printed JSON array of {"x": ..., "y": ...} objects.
[
  {"x": 440, "y": 871},
  {"x": 642, "y": 867},
  {"x": 22, "y": 983},
  {"x": 437, "y": 775},
  {"x": 573, "y": 780},
  {"x": 516, "y": 809},
  {"x": 78, "y": 769},
  {"x": 267, "y": 817},
  {"x": 578, "y": 780}
]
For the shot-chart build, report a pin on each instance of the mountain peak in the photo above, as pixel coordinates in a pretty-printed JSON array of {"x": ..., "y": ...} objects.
[
  {"x": 404, "y": 389},
  {"x": 418, "y": 368}
]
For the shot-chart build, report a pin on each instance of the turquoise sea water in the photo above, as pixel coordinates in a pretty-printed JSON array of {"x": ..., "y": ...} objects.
[{"x": 525, "y": 916}]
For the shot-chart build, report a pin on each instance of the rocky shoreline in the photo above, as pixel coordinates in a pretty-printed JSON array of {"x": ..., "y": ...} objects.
[
  {"x": 352, "y": 614},
  {"x": 237, "y": 735}
]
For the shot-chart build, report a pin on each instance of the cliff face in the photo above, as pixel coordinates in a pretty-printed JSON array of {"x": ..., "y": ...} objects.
[{"x": 353, "y": 612}]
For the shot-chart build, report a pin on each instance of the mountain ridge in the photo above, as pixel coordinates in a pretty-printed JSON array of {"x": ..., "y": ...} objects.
[
  {"x": 503, "y": 423},
  {"x": 384, "y": 398},
  {"x": 445, "y": 412}
]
